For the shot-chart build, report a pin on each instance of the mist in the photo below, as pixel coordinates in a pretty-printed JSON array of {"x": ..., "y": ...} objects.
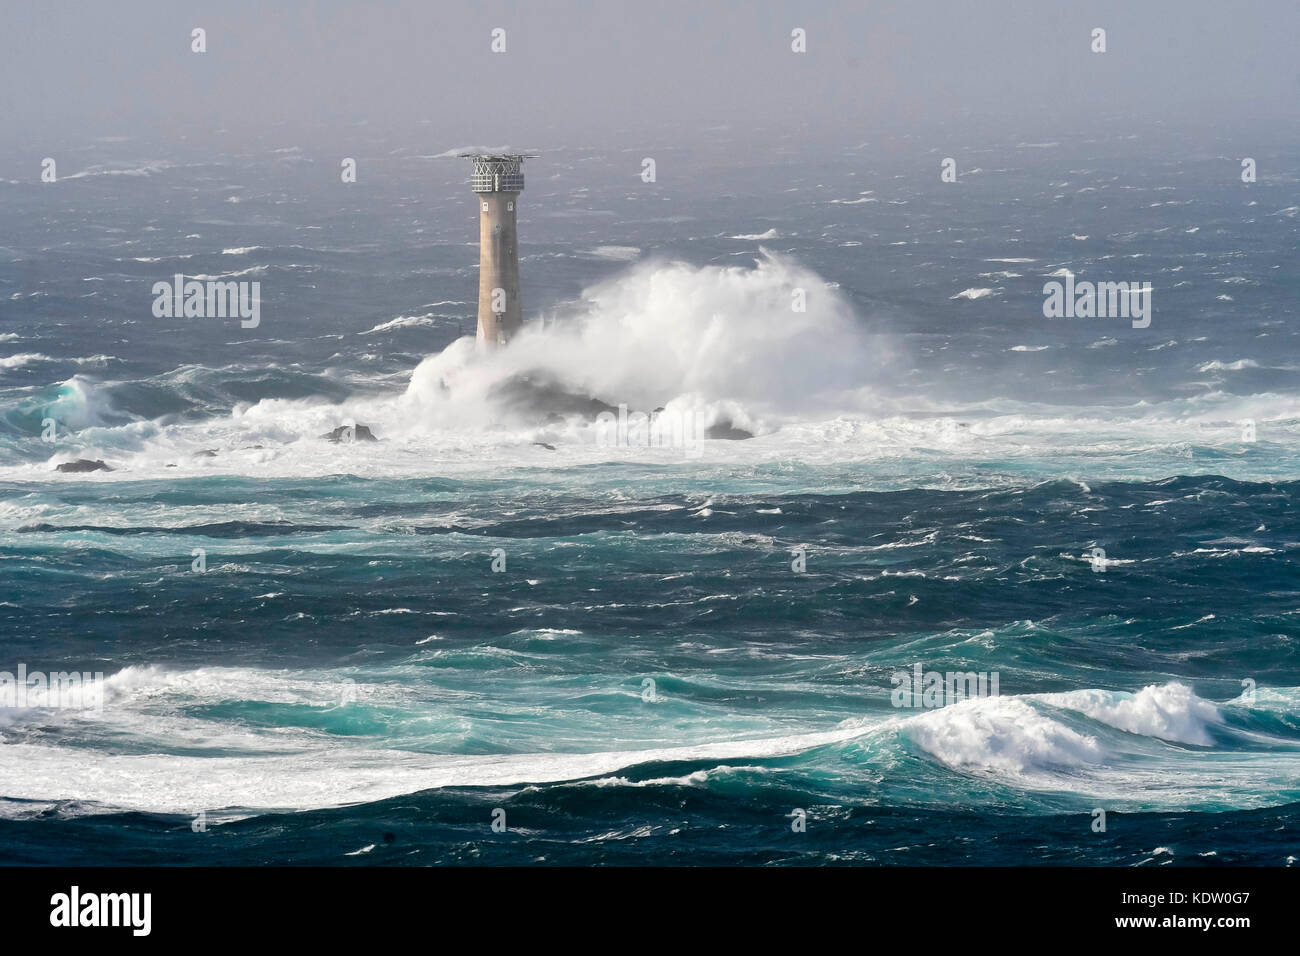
[{"x": 610, "y": 74}]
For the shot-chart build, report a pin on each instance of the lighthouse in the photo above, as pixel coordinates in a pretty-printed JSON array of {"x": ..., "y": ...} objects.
[{"x": 497, "y": 181}]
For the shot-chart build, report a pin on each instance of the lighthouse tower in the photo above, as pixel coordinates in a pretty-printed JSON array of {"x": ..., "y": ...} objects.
[{"x": 497, "y": 181}]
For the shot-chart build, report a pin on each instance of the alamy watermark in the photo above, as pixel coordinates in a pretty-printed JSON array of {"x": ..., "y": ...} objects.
[
  {"x": 210, "y": 299},
  {"x": 128, "y": 910},
  {"x": 68, "y": 690},
  {"x": 922, "y": 688},
  {"x": 1098, "y": 300},
  {"x": 660, "y": 428}
]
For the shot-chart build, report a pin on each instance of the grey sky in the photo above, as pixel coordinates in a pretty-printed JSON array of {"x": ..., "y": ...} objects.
[{"x": 606, "y": 71}]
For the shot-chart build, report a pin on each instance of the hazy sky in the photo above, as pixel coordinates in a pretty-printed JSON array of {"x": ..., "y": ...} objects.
[{"x": 604, "y": 71}]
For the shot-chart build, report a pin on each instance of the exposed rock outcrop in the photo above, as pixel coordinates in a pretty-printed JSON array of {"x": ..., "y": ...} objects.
[
  {"x": 82, "y": 464},
  {"x": 350, "y": 433},
  {"x": 726, "y": 430}
]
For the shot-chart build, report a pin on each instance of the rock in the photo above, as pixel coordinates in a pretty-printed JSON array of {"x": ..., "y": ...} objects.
[
  {"x": 537, "y": 396},
  {"x": 544, "y": 445},
  {"x": 350, "y": 433},
  {"x": 206, "y": 453},
  {"x": 83, "y": 464},
  {"x": 726, "y": 430}
]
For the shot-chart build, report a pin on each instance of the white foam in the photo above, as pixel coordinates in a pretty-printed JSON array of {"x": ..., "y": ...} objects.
[
  {"x": 23, "y": 358},
  {"x": 125, "y": 758},
  {"x": 1219, "y": 366},
  {"x": 1002, "y": 734},
  {"x": 1168, "y": 711},
  {"x": 664, "y": 332},
  {"x": 250, "y": 271},
  {"x": 143, "y": 169},
  {"x": 401, "y": 322},
  {"x": 29, "y": 358},
  {"x": 234, "y": 786},
  {"x": 617, "y": 253}
]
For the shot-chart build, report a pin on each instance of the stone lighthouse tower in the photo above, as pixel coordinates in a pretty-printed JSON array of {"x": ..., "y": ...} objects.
[{"x": 497, "y": 181}]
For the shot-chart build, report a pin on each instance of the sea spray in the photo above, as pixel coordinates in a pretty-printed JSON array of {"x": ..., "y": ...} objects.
[{"x": 667, "y": 331}]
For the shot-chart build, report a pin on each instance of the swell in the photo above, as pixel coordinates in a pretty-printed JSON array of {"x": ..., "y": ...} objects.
[{"x": 1044, "y": 749}]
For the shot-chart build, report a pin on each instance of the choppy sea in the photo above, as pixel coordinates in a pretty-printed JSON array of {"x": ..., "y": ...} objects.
[{"x": 497, "y": 635}]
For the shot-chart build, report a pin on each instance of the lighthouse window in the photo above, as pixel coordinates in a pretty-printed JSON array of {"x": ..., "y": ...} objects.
[
  {"x": 510, "y": 207},
  {"x": 485, "y": 207}
]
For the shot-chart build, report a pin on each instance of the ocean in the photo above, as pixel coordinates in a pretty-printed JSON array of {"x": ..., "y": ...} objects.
[{"x": 507, "y": 633}]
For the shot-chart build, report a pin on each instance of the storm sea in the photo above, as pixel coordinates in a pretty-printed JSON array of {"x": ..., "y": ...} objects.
[{"x": 506, "y": 632}]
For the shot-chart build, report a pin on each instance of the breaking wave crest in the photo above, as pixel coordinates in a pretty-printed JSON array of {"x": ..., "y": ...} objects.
[
  {"x": 769, "y": 341},
  {"x": 315, "y": 755}
]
